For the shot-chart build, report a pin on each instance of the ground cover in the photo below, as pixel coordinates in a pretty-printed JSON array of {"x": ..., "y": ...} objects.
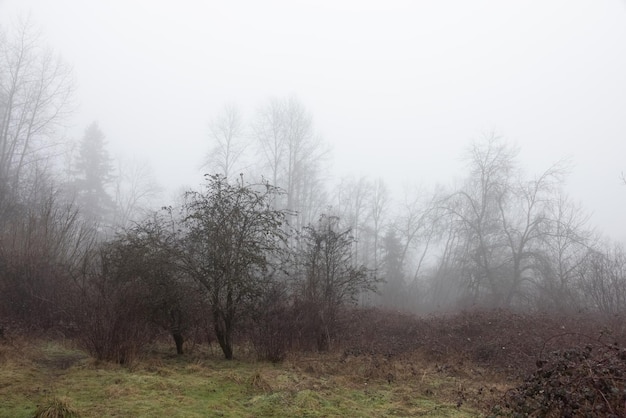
[
  {"x": 490, "y": 363},
  {"x": 201, "y": 384}
]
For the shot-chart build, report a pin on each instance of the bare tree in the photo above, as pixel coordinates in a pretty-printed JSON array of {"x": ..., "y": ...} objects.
[
  {"x": 232, "y": 237},
  {"x": 42, "y": 250},
  {"x": 602, "y": 278},
  {"x": 148, "y": 252},
  {"x": 35, "y": 89},
  {"x": 269, "y": 130},
  {"x": 418, "y": 224},
  {"x": 503, "y": 219},
  {"x": 227, "y": 134},
  {"x": 135, "y": 190},
  {"x": 378, "y": 205},
  {"x": 351, "y": 197},
  {"x": 476, "y": 210},
  {"x": 293, "y": 153},
  {"x": 566, "y": 246},
  {"x": 331, "y": 278}
]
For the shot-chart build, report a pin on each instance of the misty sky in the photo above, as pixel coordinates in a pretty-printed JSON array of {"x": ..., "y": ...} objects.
[{"x": 397, "y": 88}]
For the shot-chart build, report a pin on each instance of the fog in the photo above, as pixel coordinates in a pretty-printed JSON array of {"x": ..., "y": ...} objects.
[
  {"x": 397, "y": 89},
  {"x": 367, "y": 190}
]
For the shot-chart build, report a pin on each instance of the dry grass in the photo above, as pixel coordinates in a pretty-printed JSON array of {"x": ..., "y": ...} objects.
[
  {"x": 386, "y": 364},
  {"x": 56, "y": 408},
  {"x": 57, "y": 375}
]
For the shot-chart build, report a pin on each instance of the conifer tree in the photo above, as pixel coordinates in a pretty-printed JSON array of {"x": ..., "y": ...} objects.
[{"x": 93, "y": 173}]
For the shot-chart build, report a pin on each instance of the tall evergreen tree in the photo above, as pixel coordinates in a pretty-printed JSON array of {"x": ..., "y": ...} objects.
[{"x": 93, "y": 173}]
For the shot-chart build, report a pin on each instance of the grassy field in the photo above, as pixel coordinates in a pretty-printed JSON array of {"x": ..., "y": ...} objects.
[{"x": 201, "y": 384}]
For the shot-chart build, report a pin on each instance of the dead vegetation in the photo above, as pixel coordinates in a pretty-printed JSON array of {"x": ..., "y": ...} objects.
[
  {"x": 56, "y": 408},
  {"x": 505, "y": 362},
  {"x": 497, "y": 362}
]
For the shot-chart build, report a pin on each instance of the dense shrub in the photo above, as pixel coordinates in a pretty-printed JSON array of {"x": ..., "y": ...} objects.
[
  {"x": 273, "y": 326},
  {"x": 582, "y": 381},
  {"x": 505, "y": 341},
  {"x": 112, "y": 311},
  {"x": 113, "y": 325}
]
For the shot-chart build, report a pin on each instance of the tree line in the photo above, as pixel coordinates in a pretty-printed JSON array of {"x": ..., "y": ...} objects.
[{"x": 267, "y": 250}]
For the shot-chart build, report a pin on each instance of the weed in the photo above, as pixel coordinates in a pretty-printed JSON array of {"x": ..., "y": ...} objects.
[{"x": 56, "y": 408}]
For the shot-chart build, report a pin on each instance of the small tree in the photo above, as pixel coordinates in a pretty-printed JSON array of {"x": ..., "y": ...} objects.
[
  {"x": 331, "y": 279},
  {"x": 113, "y": 311},
  {"x": 148, "y": 253},
  {"x": 602, "y": 280},
  {"x": 232, "y": 236}
]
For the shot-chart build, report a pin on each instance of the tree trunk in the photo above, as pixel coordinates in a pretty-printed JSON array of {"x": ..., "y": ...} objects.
[
  {"x": 176, "y": 329},
  {"x": 223, "y": 334},
  {"x": 179, "y": 340}
]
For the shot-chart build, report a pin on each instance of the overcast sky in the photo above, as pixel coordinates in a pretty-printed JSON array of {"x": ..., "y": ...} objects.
[{"x": 397, "y": 88}]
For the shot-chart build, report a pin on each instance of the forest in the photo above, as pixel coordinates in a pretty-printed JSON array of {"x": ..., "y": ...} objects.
[{"x": 272, "y": 256}]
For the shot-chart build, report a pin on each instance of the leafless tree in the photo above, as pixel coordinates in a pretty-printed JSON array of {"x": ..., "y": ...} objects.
[
  {"x": 378, "y": 206},
  {"x": 568, "y": 243},
  {"x": 233, "y": 236},
  {"x": 525, "y": 222},
  {"x": 476, "y": 210},
  {"x": 418, "y": 224},
  {"x": 331, "y": 279},
  {"x": 293, "y": 153},
  {"x": 35, "y": 90},
  {"x": 269, "y": 130},
  {"x": 350, "y": 203},
  {"x": 135, "y": 190},
  {"x": 602, "y": 278},
  {"x": 229, "y": 144},
  {"x": 42, "y": 250},
  {"x": 503, "y": 219}
]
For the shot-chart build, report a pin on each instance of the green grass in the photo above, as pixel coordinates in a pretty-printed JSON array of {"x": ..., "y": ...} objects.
[{"x": 207, "y": 386}]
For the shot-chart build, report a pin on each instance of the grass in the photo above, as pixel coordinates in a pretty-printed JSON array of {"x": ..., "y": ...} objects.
[{"x": 203, "y": 385}]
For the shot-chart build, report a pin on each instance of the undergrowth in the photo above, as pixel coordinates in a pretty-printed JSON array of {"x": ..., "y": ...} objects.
[
  {"x": 201, "y": 384},
  {"x": 582, "y": 381},
  {"x": 56, "y": 408},
  {"x": 384, "y": 364}
]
